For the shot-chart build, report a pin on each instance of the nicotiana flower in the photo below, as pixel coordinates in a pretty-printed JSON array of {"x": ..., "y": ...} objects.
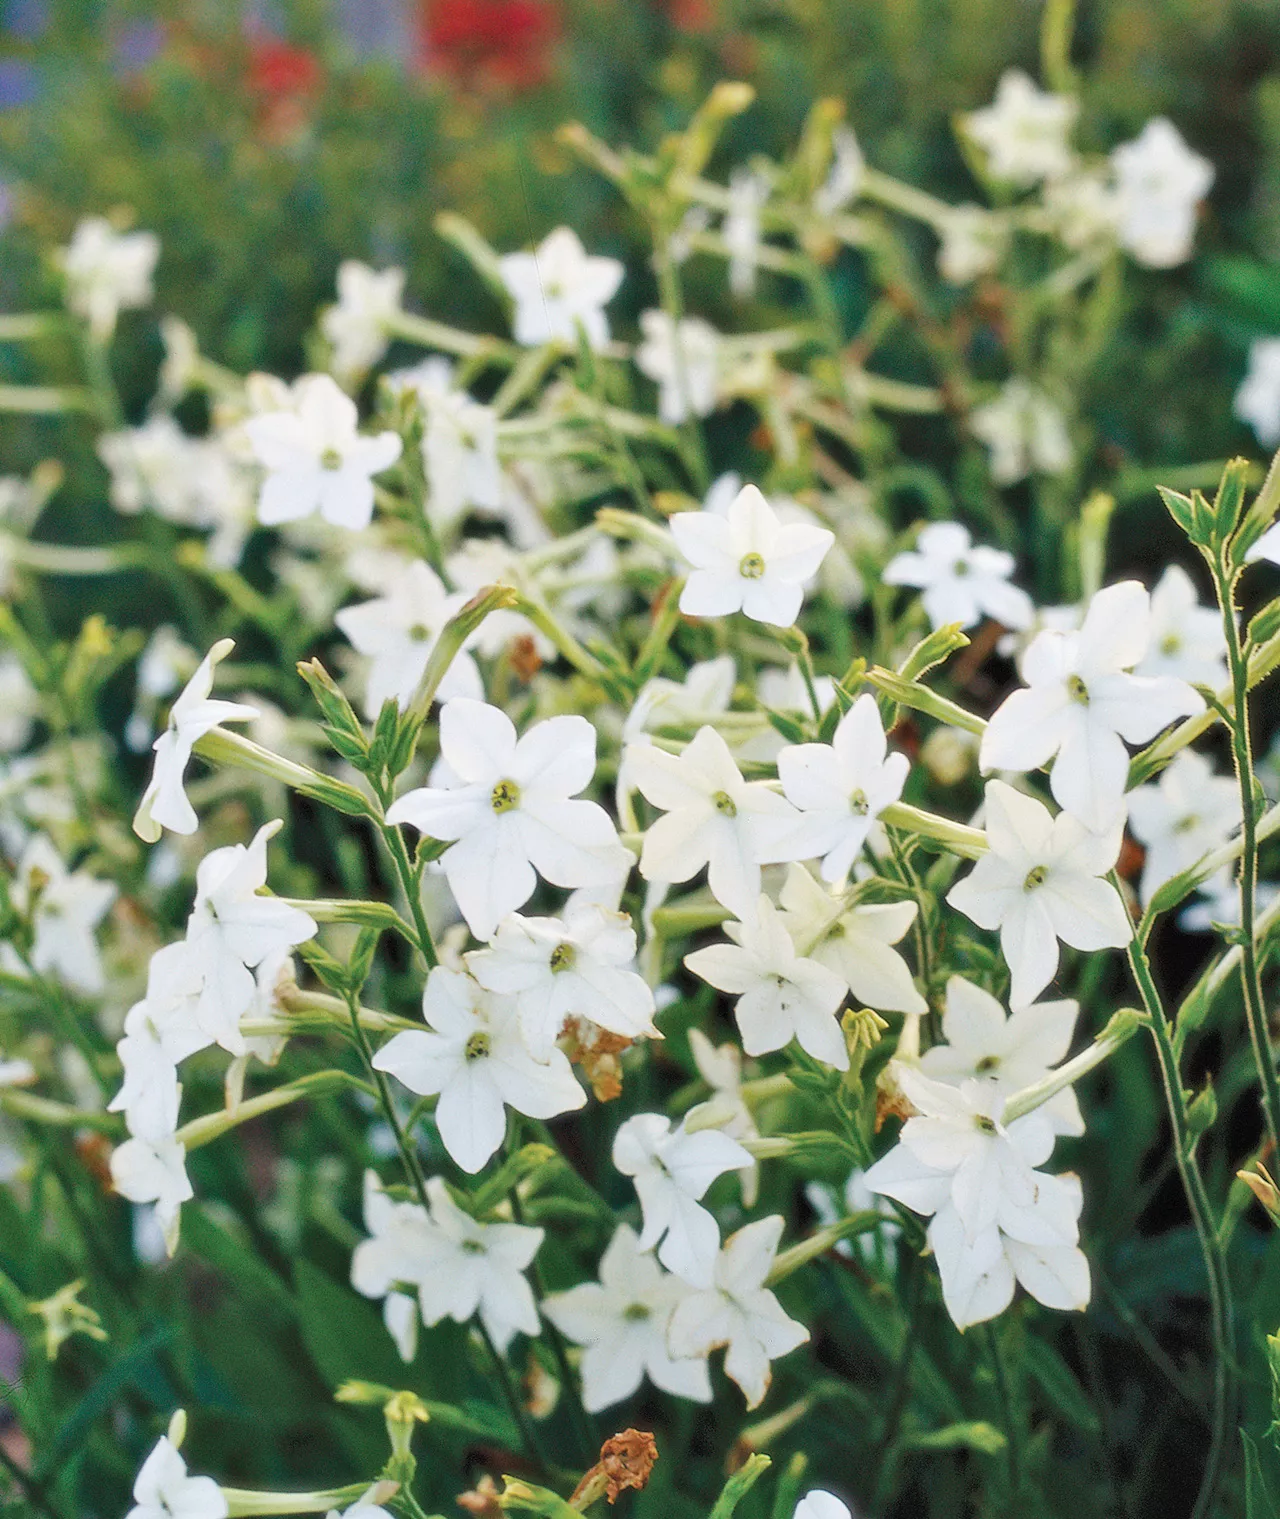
[
  {"x": 107, "y": 272},
  {"x": 726, "y": 1109},
  {"x": 579, "y": 967},
  {"x": 507, "y": 811},
  {"x": 398, "y": 631},
  {"x": 842, "y": 787},
  {"x": 1180, "y": 818},
  {"x": 844, "y": 179},
  {"x": 974, "y": 240},
  {"x": 739, "y": 1312},
  {"x": 1257, "y": 401},
  {"x": 19, "y": 704},
  {"x": 1025, "y": 432},
  {"x": 672, "y": 1169},
  {"x": 683, "y": 360},
  {"x": 1040, "y": 881},
  {"x": 1186, "y": 639},
  {"x": 164, "y": 803},
  {"x": 1025, "y": 131},
  {"x": 558, "y": 289},
  {"x": 821, "y": 1505},
  {"x": 154, "y": 1171},
  {"x": 780, "y": 995},
  {"x": 748, "y": 195},
  {"x": 1010, "y": 1051},
  {"x": 390, "y": 1259},
  {"x": 475, "y": 1057},
  {"x": 961, "y": 583},
  {"x": 705, "y": 692},
  {"x": 460, "y": 455},
  {"x": 622, "y": 1323},
  {"x": 357, "y": 327},
  {"x": 1082, "y": 705},
  {"x": 748, "y": 560},
  {"x": 66, "y": 908},
  {"x": 316, "y": 458},
  {"x": 1159, "y": 183},
  {"x": 164, "y": 1490}
]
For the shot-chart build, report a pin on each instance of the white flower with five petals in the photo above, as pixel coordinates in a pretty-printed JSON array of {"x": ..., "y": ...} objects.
[
  {"x": 961, "y": 583},
  {"x": 358, "y": 326},
  {"x": 107, "y": 271},
  {"x": 1182, "y": 817},
  {"x": 683, "y": 360},
  {"x": 1187, "y": 640},
  {"x": 1025, "y": 131},
  {"x": 559, "y": 288},
  {"x": 1160, "y": 182},
  {"x": 163, "y": 1489}
]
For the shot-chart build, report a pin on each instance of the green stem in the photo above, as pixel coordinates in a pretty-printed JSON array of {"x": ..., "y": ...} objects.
[{"x": 1012, "y": 1433}]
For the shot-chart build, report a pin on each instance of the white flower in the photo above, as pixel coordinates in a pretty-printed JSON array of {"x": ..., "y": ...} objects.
[
  {"x": 579, "y": 967},
  {"x": 1025, "y": 432},
  {"x": 821, "y": 1505},
  {"x": 854, "y": 942},
  {"x": 164, "y": 803},
  {"x": 781, "y": 995},
  {"x": 1220, "y": 903},
  {"x": 842, "y": 787},
  {"x": 365, "y": 1507},
  {"x": 961, "y": 584},
  {"x": 390, "y": 1258},
  {"x": 398, "y": 630},
  {"x": 476, "y": 1059},
  {"x": 1257, "y": 401},
  {"x": 726, "y": 1109},
  {"x": 748, "y": 195},
  {"x": 1081, "y": 705},
  {"x": 844, "y": 179},
  {"x": 1025, "y": 131},
  {"x": 713, "y": 818},
  {"x": 1187, "y": 640},
  {"x": 1040, "y": 882},
  {"x": 683, "y": 360},
  {"x": 974, "y": 241},
  {"x": 559, "y": 288},
  {"x": 1159, "y": 183},
  {"x": 154, "y": 1171},
  {"x": 740, "y": 1312},
  {"x": 107, "y": 272},
  {"x": 316, "y": 459},
  {"x": 622, "y": 1324},
  {"x": 672, "y": 1169},
  {"x": 163, "y": 1489},
  {"x": 1010, "y": 1052},
  {"x": 1084, "y": 208},
  {"x": 705, "y": 692},
  {"x": 748, "y": 560},
  {"x": 1182, "y": 817},
  {"x": 66, "y": 908},
  {"x": 460, "y": 455},
  {"x": 19, "y": 703},
  {"x": 357, "y": 327},
  {"x": 508, "y": 810}
]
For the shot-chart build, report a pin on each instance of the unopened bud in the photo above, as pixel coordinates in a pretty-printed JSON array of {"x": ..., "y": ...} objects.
[{"x": 1259, "y": 1182}]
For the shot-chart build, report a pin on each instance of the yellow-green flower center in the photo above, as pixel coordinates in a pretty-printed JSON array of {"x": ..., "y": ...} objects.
[
  {"x": 1036, "y": 876},
  {"x": 477, "y": 1047},
  {"x": 1077, "y": 690},
  {"x": 331, "y": 459},
  {"x": 562, "y": 958},
  {"x": 858, "y": 802},
  {"x": 505, "y": 797},
  {"x": 751, "y": 566},
  {"x": 724, "y": 804}
]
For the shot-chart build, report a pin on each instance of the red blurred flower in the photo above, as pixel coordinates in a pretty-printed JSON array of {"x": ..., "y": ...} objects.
[
  {"x": 277, "y": 68},
  {"x": 503, "y": 43}
]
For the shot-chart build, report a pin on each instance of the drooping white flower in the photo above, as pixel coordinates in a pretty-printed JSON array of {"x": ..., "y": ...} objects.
[
  {"x": 357, "y": 327},
  {"x": 164, "y": 803},
  {"x": 1082, "y": 705},
  {"x": 389, "y": 1260},
  {"x": 713, "y": 818},
  {"x": 672, "y": 1169},
  {"x": 622, "y": 1323},
  {"x": 726, "y": 1109},
  {"x": 748, "y": 560},
  {"x": 683, "y": 360},
  {"x": 1040, "y": 882},
  {"x": 1257, "y": 401},
  {"x": 1180, "y": 818},
  {"x": 1010, "y": 1052},
  {"x": 1025, "y": 432},
  {"x": 66, "y": 907},
  {"x": 1159, "y": 184},
  {"x": 842, "y": 787},
  {"x": 316, "y": 458},
  {"x": 1025, "y": 131},
  {"x": 398, "y": 630},
  {"x": 154, "y": 1171},
  {"x": 1187, "y": 640},
  {"x": 740, "y": 1312},
  {"x": 748, "y": 195},
  {"x": 960, "y": 583},
  {"x": 460, "y": 455},
  {"x": 974, "y": 240},
  {"x": 579, "y": 967},
  {"x": 508, "y": 810},
  {"x": 163, "y": 1489},
  {"x": 475, "y": 1057},
  {"x": 107, "y": 272},
  {"x": 559, "y": 288},
  {"x": 780, "y": 995},
  {"x": 844, "y": 179}
]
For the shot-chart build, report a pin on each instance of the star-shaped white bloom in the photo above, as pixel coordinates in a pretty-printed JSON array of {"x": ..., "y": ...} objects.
[
  {"x": 1082, "y": 705},
  {"x": 713, "y": 818},
  {"x": 476, "y": 1059},
  {"x": 1009, "y": 1051},
  {"x": 1182, "y": 817},
  {"x": 316, "y": 458},
  {"x": 163, "y": 1489},
  {"x": 1025, "y": 432},
  {"x": 398, "y": 631},
  {"x": 507, "y": 811},
  {"x": 781, "y": 995},
  {"x": 622, "y": 1324},
  {"x": 558, "y": 289},
  {"x": 1025, "y": 131},
  {"x": 1187, "y": 640},
  {"x": 389, "y": 1260},
  {"x": 1257, "y": 401},
  {"x": 107, "y": 272},
  {"x": 672, "y": 1169},
  {"x": 66, "y": 907},
  {"x": 164, "y": 803},
  {"x": 579, "y": 967},
  {"x": 154, "y": 1171},
  {"x": 961, "y": 584},
  {"x": 747, "y": 560},
  {"x": 740, "y": 1312},
  {"x": 726, "y": 1109},
  {"x": 357, "y": 327},
  {"x": 460, "y": 454},
  {"x": 1159, "y": 184},
  {"x": 854, "y": 942},
  {"x": 1040, "y": 881},
  {"x": 683, "y": 360},
  {"x": 842, "y": 787}
]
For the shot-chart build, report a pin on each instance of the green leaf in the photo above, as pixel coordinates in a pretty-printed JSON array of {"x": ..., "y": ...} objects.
[
  {"x": 1258, "y": 1502},
  {"x": 343, "y": 1332},
  {"x": 1059, "y": 1385}
]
